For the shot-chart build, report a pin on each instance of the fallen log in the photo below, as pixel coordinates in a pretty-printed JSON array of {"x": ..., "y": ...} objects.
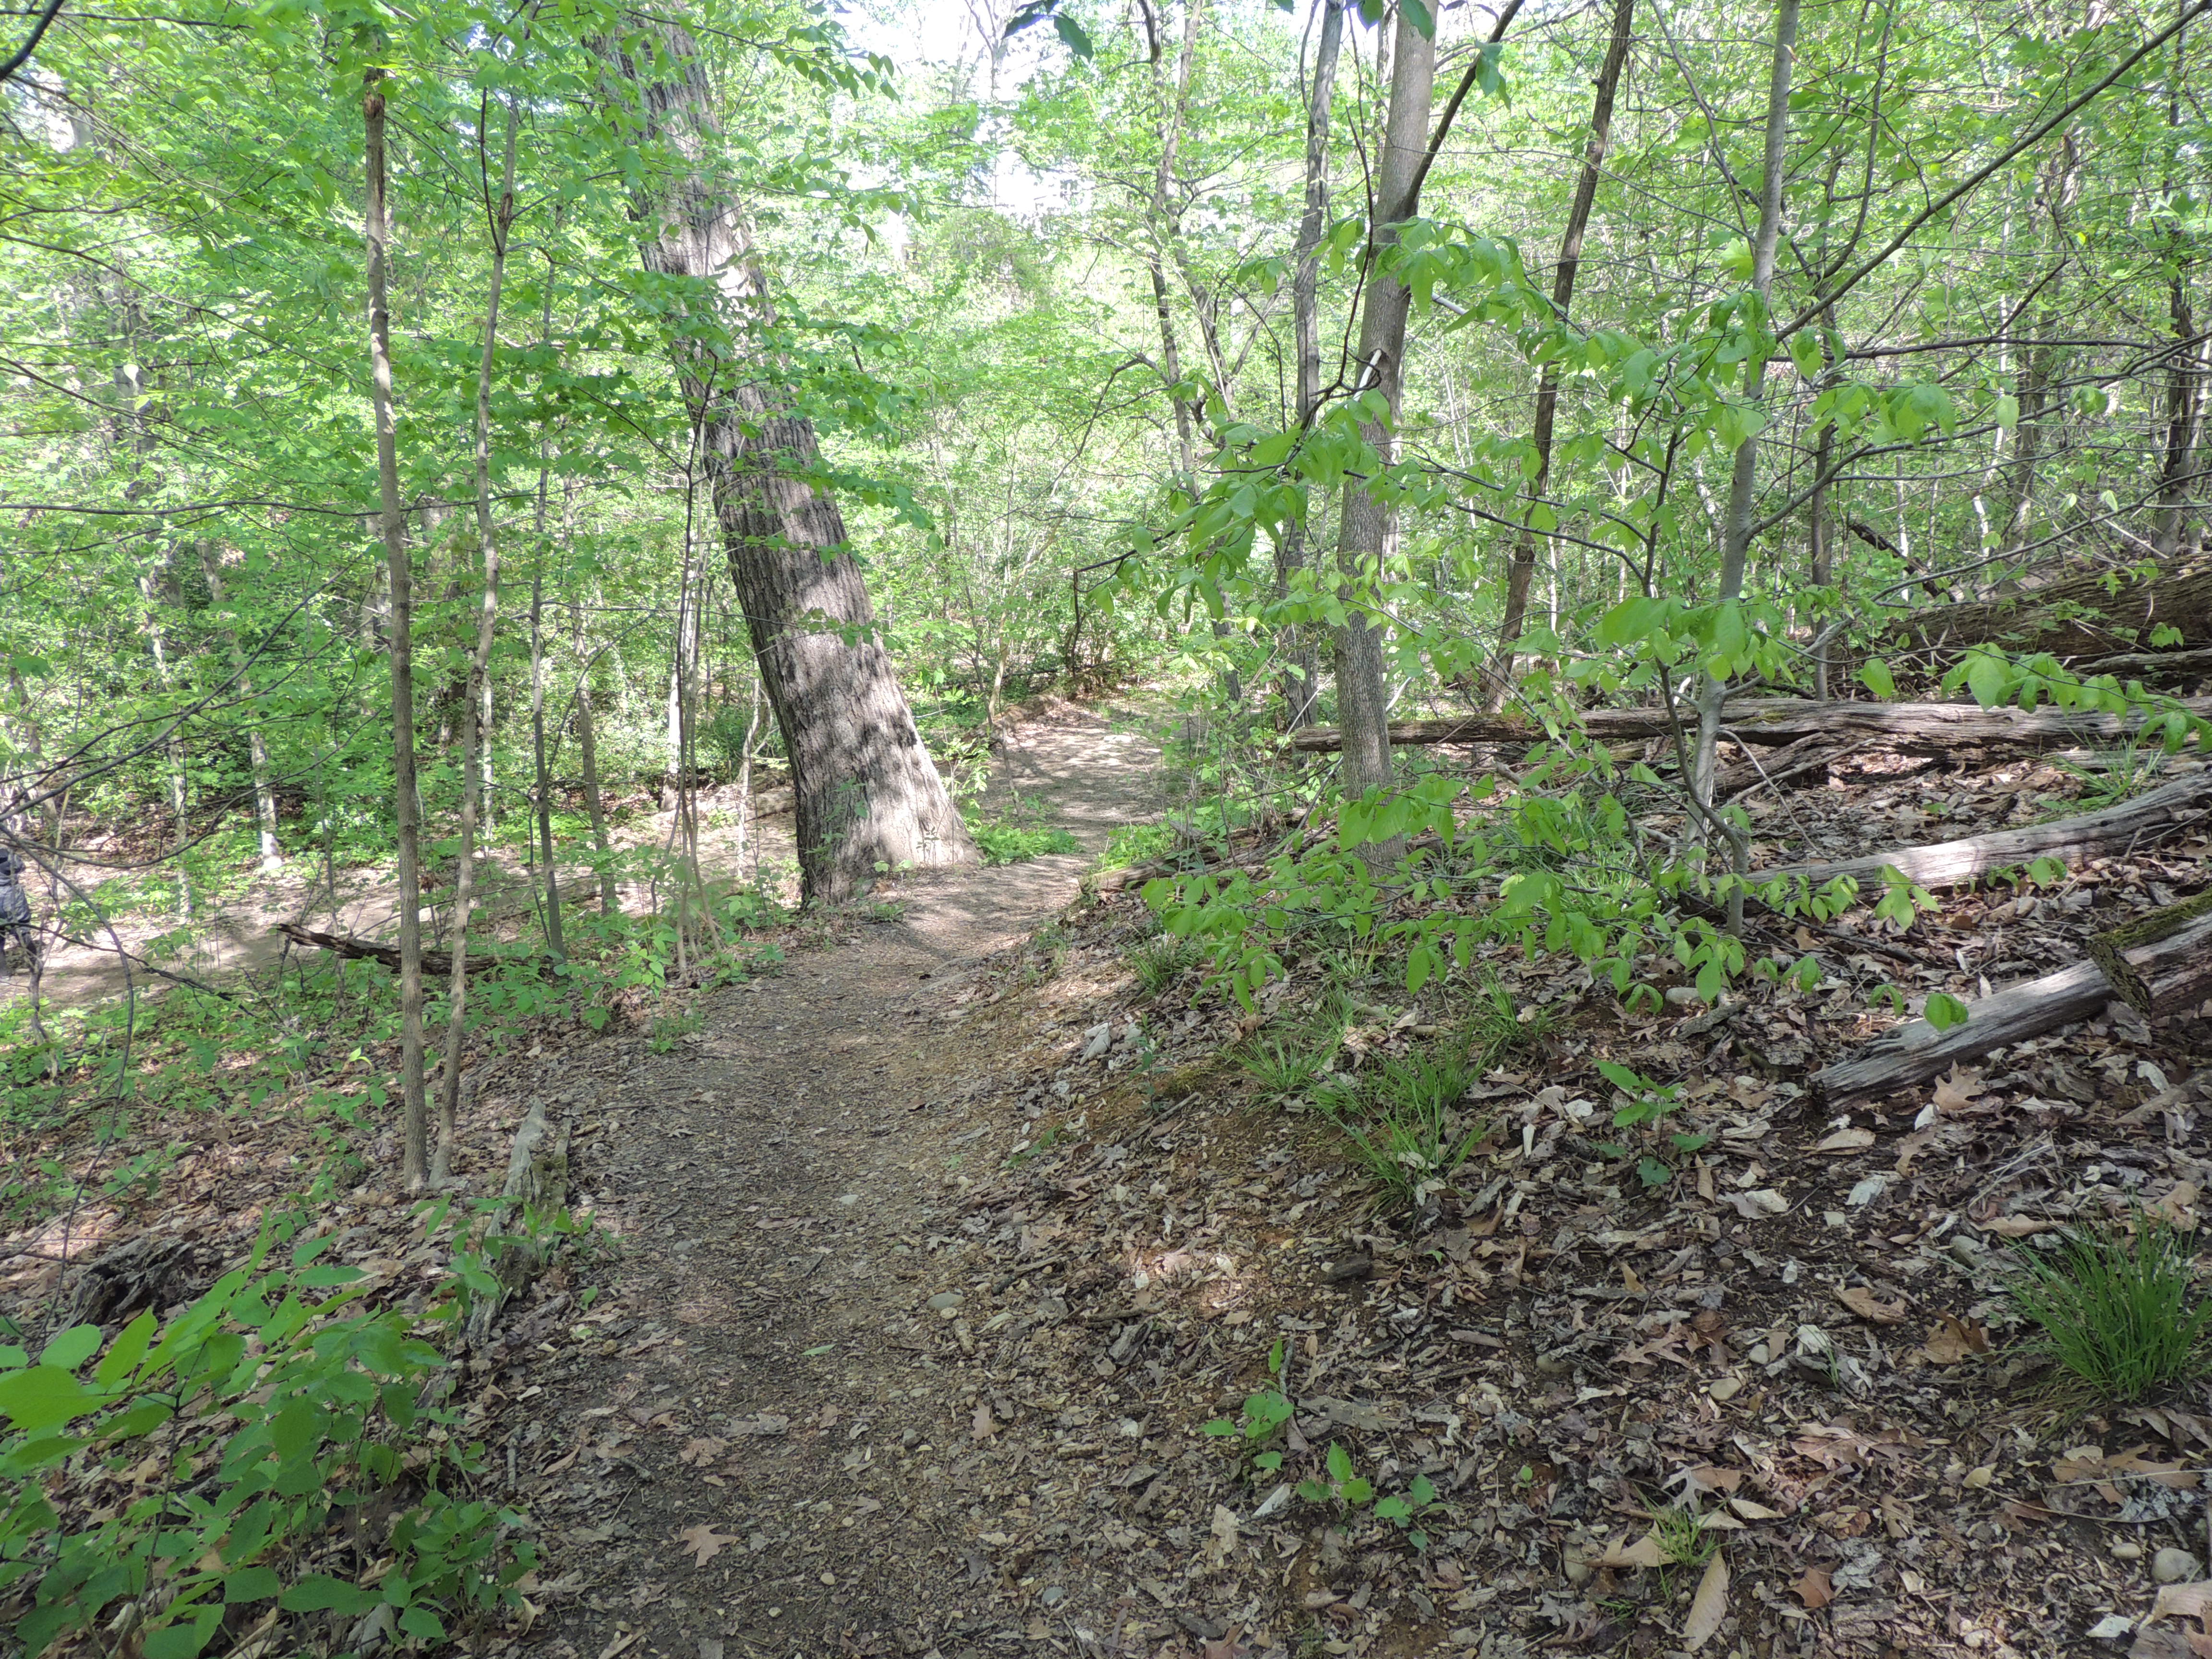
[
  {"x": 2161, "y": 813},
  {"x": 537, "y": 1177},
  {"x": 1916, "y": 1052},
  {"x": 2078, "y": 613},
  {"x": 354, "y": 949},
  {"x": 2160, "y": 963},
  {"x": 1923, "y": 728},
  {"x": 2159, "y": 666}
]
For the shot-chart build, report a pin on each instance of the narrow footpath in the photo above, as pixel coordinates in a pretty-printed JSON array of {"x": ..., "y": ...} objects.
[{"x": 766, "y": 1451}]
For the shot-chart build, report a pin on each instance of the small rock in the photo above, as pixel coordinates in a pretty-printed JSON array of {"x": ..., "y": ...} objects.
[
  {"x": 1350, "y": 1268},
  {"x": 944, "y": 1300},
  {"x": 2127, "y": 1549},
  {"x": 1725, "y": 1390},
  {"x": 2112, "y": 1627},
  {"x": 1054, "y": 1595},
  {"x": 1101, "y": 1037},
  {"x": 2173, "y": 1566}
]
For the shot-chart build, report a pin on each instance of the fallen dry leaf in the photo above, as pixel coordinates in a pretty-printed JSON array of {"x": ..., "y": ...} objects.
[
  {"x": 2013, "y": 1226},
  {"x": 1644, "y": 1553},
  {"x": 2177, "y": 1208},
  {"x": 982, "y": 1426},
  {"x": 1954, "y": 1339},
  {"x": 704, "y": 1543},
  {"x": 1813, "y": 1590},
  {"x": 2183, "y": 1601},
  {"x": 1750, "y": 1510},
  {"x": 1845, "y": 1140},
  {"x": 1868, "y": 1306},
  {"x": 1911, "y": 1147},
  {"x": 1956, "y": 1093},
  {"x": 1710, "y": 1605}
]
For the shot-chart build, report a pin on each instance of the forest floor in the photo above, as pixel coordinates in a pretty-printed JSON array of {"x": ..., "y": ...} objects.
[
  {"x": 933, "y": 1269},
  {"x": 928, "y": 1256},
  {"x": 233, "y": 933}
]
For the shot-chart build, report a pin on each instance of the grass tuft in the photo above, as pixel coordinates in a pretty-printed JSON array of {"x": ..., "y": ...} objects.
[
  {"x": 1162, "y": 960},
  {"x": 2115, "y": 1307},
  {"x": 1405, "y": 1126}
]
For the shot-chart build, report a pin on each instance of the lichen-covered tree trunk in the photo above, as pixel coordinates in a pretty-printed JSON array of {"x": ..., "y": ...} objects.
[{"x": 868, "y": 796}]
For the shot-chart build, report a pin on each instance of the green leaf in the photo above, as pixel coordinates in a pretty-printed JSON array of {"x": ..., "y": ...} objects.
[
  {"x": 43, "y": 1397},
  {"x": 1339, "y": 1463},
  {"x": 251, "y": 1584},
  {"x": 1420, "y": 17},
  {"x": 1220, "y": 1427},
  {"x": 421, "y": 1621},
  {"x": 124, "y": 1354},
  {"x": 1874, "y": 675},
  {"x": 1943, "y": 1010},
  {"x": 72, "y": 1347},
  {"x": 320, "y": 1592},
  {"x": 1423, "y": 1491}
]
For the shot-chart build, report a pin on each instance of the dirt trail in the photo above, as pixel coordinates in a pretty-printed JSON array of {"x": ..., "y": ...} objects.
[{"x": 773, "y": 1386}]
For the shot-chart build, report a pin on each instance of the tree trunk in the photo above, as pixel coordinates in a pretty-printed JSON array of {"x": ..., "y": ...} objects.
[
  {"x": 866, "y": 793},
  {"x": 464, "y": 869},
  {"x": 414, "y": 1157},
  {"x": 2184, "y": 415},
  {"x": 256, "y": 745},
  {"x": 587, "y": 745},
  {"x": 2041, "y": 364},
  {"x": 1365, "y": 523},
  {"x": 1743, "y": 480},
  {"x": 1301, "y": 677},
  {"x": 538, "y": 750},
  {"x": 1166, "y": 233},
  {"x": 1522, "y": 568}
]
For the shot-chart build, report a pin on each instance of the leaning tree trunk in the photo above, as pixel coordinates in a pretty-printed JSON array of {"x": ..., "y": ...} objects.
[{"x": 868, "y": 796}]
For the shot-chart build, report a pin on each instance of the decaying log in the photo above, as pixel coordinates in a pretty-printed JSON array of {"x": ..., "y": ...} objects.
[
  {"x": 537, "y": 1178},
  {"x": 2160, "y": 666},
  {"x": 1916, "y": 1052},
  {"x": 368, "y": 949},
  {"x": 1921, "y": 728},
  {"x": 2148, "y": 818},
  {"x": 2160, "y": 964},
  {"x": 2074, "y": 614}
]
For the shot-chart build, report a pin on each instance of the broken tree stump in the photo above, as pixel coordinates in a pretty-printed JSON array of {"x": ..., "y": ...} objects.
[
  {"x": 2160, "y": 964},
  {"x": 1917, "y": 1053}
]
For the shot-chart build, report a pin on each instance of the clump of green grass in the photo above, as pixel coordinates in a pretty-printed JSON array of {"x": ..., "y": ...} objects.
[
  {"x": 1494, "y": 1028},
  {"x": 1162, "y": 960},
  {"x": 1284, "y": 1068},
  {"x": 2115, "y": 1306},
  {"x": 1682, "y": 1539},
  {"x": 1405, "y": 1126},
  {"x": 1014, "y": 843}
]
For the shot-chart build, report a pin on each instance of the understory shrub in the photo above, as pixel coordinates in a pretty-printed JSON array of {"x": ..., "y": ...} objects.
[{"x": 276, "y": 1443}]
